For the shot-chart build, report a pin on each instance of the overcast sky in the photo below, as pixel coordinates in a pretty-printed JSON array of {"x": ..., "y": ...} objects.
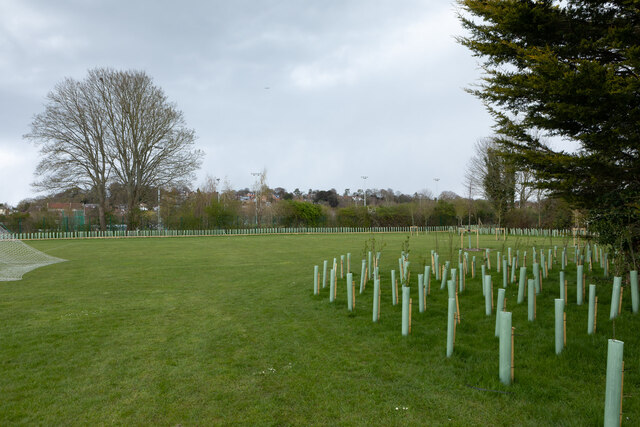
[{"x": 319, "y": 93}]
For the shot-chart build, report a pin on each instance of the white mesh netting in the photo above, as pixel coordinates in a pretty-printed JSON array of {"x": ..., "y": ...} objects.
[{"x": 18, "y": 258}]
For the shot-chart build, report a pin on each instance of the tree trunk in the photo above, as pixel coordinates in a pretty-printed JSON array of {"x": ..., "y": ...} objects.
[
  {"x": 101, "y": 216},
  {"x": 132, "y": 211}
]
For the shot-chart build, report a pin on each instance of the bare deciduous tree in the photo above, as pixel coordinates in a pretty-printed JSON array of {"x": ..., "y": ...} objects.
[
  {"x": 481, "y": 177},
  {"x": 149, "y": 143},
  {"x": 71, "y": 133},
  {"x": 114, "y": 125}
]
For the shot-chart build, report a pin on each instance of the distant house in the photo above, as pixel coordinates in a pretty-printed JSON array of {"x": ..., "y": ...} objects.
[{"x": 64, "y": 207}]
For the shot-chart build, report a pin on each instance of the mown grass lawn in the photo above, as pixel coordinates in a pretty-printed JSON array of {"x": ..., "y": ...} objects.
[{"x": 226, "y": 330}]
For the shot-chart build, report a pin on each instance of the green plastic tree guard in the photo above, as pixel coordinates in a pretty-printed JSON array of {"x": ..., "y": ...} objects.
[
  {"x": 579, "y": 272},
  {"x": 315, "y": 280},
  {"x": 536, "y": 276},
  {"x": 369, "y": 266},
  {"x": 488, "y": 294},
  {"x": 349, "y": 291},
  {"x": 421, "y": 293},
  {"x": 394, "y": 288},
  {"x": 613, "y": 391},
  {"x": 499, "y": 308},
  {"x": 454, "y": 275},
  {"x": 505, "y": 273},
  {"x": 363, "y": 275},
  {"x": 405, "y": 273},
  {"x": 376, "y": 298},
  {"x": 531, "y": 300},
  {"x": 483, "y": 272},
  {"x": 498, "y": 262},
  {"x": 348, "y": 262},
  {"x": 592, "y": 309},
  {"x": 444, "y": 275},
  {"x": 324, "y": 274},
  {"x": 522, "y": 284},
  {"x": 562, "y": 295},
  {"x": 406, "y": 297},
  {"x": 633, "y": 281},
  {"x": 332, "y": 295},
  {"x": 427, "y": 279},
  {"x": 615, "y": 297},
  {"x": 542, "y": 264},
  {"x": 460, "y": 277},
  {"x": 559, "y": 322},
  {"x": 436, "y": 267},
  {"x": 505, "y": 348},
  {"x": 451, "y": 324}
]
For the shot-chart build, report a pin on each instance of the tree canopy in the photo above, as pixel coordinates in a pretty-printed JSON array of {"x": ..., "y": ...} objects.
[
  {"x": 567, "y": 70},
  {"x": 113, "y": 126}
]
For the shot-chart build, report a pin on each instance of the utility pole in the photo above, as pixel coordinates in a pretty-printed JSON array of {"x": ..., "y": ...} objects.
[
  {"x": 365, "y": 189},
  {"x": 255, "y": 195}
]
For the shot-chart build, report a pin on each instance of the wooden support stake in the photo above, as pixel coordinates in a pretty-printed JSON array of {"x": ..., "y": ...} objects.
[
  {"x": 565, "y": 291},
  {"x": 457, "y": 307},
  {"x": 546, "y": 269},
  {"x": 380, "y": 293},
  {"x": 341, "y": 268},
  {"x": 396, "y": 288},
  {"x": 620, "y": 303},
  {"x": 534, "y": 304}
]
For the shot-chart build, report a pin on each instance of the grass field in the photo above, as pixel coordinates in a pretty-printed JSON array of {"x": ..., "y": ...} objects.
[{"x": 226, "y": 330}]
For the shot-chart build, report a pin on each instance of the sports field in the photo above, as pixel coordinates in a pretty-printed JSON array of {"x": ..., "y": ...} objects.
[{"x": 226, "y": 330}]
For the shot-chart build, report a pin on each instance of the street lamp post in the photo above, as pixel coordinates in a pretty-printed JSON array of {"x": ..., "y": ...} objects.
[
  {"x": 365, "y": 189},
  {"x": 255, "y": 195}
]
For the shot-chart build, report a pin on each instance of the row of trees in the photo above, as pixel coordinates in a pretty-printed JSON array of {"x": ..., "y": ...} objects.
[{"x": 213, "y": 207}]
